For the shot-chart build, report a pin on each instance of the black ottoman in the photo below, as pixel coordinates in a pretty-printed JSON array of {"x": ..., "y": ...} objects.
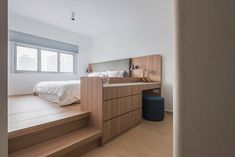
[{"x": 153, "y": 108}]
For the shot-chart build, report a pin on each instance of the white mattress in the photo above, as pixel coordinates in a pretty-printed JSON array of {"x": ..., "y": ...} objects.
[{"x": 61, "y": 92}]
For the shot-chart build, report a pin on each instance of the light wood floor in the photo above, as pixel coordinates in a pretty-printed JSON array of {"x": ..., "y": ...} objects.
[
  {"x": 28, "y": 111},
  {"x": 149, "y": 139}
]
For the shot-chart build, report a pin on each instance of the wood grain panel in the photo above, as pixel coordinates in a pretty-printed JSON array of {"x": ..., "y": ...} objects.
[
  {"x": 42, "y": 123},
  {"x": 152, "y": 63},
  {"x": 61, "y": 145},
  {"x": 136, "y": 101},
  {"x": 45, "y": 134},
  {"x": 136, "y": 90},
  {"x": 110, "y": 129},
  {"x": 117, "y": 92},
  {"x": 110, "y": 109},
  {"x": 83, "y": 149},
  {"x": 128, "y": 104},
  {"x": 124, "y": 91},
  {"x": 92, "y": 99},
  {"x": 124, "y": 79},
  {"x": 120, "y": 124},
  {"x": 110, "y": 93},
  {"x": 119, "y": 106}
]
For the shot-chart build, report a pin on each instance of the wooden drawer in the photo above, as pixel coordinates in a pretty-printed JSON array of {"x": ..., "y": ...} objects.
[
  {"x": 133, "y": 102},
  {"x": 115, "y": 107},
  {"x": 116, "y": 92},
  {"x": 129, "y": 120},
  {"x": 110, "y": 109},
  {"x": 110, "y": 129},
  {"x": 120, "y": 124}
]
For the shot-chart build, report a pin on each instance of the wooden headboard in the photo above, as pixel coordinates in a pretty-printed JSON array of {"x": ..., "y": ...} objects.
[{"x": 152, "y": 63}]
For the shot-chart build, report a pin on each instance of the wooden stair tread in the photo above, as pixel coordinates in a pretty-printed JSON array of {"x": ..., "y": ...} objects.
[
  {"x": 40, "y": 123},
  {"x": 60, "y": 145}
]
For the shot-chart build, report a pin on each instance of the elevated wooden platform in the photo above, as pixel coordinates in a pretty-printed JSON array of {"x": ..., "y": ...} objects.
[
  {"x": 29, "y": 113},
  {"x": 40, "y": 128},
  {"x": 61, "y": 145}
]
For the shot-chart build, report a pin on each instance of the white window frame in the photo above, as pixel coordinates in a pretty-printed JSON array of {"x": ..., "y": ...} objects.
[{"x": 14, "y": 60}]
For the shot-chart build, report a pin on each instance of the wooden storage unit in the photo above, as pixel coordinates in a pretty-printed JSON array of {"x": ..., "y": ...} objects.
[
  {"x": 120, "y": 124},
  {"x": 122, "y": 107},
  {"x": 120, "y": 114},
  {"x": 114, "y": 108}
]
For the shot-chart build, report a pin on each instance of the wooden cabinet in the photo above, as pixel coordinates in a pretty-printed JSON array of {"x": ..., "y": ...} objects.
[
  {"x": 116, "y": 92},
  {"x": 116, "y": 107},
  {"x": 118, "y": 125},
  {"x": 122, "y": 108}
]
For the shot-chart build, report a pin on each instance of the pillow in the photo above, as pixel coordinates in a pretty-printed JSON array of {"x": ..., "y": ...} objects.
[
  {"x": 94, "y": 74},
  {"x": 116, "y": 73},
  {"x": 97, "y": 74},
  {"x": 103, "y": 74}
]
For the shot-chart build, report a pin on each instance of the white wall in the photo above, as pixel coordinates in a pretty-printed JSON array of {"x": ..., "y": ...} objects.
[
  {"x": 153, "y": 34},
  {"x": 22, "y": 83}
]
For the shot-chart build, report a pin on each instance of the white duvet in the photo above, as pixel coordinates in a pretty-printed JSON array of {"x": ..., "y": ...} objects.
[{"x": 61, "y": 92}]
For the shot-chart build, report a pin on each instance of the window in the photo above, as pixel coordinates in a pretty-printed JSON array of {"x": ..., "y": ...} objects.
[
  {"x": 33, "y": 59},
  {"x": 27, "y": 59},
  {"x": 49, "y": 61},
  {"x": 66, "y": 63}
]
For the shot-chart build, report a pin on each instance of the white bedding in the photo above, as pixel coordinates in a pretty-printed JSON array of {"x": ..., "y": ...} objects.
[{"x": 61, "y": 92}]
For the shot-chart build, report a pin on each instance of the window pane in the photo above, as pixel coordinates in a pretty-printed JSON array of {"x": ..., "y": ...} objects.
[
  {"x": 48, "y": 61},
  {"x": 26, "y": 58},
  {"x": 66, "y": 63}
]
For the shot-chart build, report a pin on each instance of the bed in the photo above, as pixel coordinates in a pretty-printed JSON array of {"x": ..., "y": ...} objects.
[
  {"x": 61, "y": 92},
  {"x": 68, "y": 92}
]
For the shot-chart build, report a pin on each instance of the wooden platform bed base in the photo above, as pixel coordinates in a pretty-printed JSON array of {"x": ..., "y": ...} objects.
[{"x": 39, "y": 129}]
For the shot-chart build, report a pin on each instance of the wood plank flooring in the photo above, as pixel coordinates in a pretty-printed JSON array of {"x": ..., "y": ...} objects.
[
  {"x": 149, "y": 139},
  {"x": 60, "y": 145},
  {"x": 29, "y": 111}
]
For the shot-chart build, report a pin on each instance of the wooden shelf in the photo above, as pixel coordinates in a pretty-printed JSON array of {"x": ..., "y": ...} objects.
[{"x": 60, "y": 145}]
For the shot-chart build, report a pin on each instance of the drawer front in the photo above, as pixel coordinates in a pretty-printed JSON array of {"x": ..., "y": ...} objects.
[
  {"x": 115, "y": 107},
  {"x": 133, "y": 102},
  {"x": 116, "y": 92},
  {"x": 110, "y": 129},
  {"x": 120, "y": 124}
]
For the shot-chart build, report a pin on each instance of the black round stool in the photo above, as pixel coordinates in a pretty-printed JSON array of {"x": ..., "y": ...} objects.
[{"x": 153, "y": 108}]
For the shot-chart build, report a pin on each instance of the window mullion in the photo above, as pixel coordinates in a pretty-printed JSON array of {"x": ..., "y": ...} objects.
[
  {"x": 58, "y": 62},
  {"x": 39, "y": 60},
  {"x": 15, "y": 57},
  {"x": 74, "y": 64}
]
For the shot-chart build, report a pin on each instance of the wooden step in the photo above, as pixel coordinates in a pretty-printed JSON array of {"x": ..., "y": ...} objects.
[
  {"x": 61, "y": 145},
  {"x": 28, "y": 126},
  {"x": 45, "y": 128}
]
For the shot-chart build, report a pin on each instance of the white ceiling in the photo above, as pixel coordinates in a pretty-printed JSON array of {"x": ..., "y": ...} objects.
[{"x": 96, "y": 17}]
